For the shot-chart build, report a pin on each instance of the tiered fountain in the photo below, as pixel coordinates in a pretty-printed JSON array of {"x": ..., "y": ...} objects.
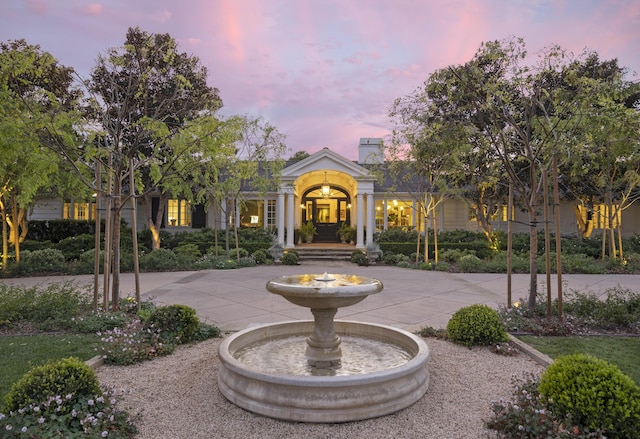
[{"x": 323, "y": 370}]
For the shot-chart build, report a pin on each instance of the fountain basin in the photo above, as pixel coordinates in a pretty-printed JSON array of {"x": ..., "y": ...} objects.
[{"x": 324, "y": 398}]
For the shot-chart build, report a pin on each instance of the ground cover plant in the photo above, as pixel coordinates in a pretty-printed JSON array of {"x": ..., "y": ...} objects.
[
  {"x": 46, "y": 365},
  {"x": 589, "y": 354}
]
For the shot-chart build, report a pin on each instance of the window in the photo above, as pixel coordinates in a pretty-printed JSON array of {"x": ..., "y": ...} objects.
[
  {"x": 400, "y": 213},
  {"x": 79, "y": 211},
  {"x": 271, "y": 214},
  {"x": 601, "y": 217},
  {"x": 179, "y": 213}
]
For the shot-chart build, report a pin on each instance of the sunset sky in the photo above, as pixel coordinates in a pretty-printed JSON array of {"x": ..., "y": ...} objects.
[{"x": 325, "y": 72}]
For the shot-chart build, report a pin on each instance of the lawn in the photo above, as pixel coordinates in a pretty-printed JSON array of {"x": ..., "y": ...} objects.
[
  {"x": 624, "y": 352},
  {"x": 21, "y": 353}
]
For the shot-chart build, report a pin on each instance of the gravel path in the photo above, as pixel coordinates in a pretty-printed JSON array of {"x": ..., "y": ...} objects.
[{"x": 177, "y": 397}]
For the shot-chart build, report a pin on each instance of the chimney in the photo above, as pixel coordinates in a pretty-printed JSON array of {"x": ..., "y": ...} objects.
[{"x": 370, "y": 151}]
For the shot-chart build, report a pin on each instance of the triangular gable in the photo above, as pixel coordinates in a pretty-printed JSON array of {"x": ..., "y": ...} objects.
[{"x": 323, "y": 160}]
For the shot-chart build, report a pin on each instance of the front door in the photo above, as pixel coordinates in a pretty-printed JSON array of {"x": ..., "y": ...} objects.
[{"x": 327, "y": 213}]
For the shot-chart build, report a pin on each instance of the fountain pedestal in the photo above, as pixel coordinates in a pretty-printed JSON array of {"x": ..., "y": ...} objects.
[{"x": 323, "y": 345}]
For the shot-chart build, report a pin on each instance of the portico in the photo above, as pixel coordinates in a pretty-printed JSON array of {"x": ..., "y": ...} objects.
[{"x": 328, "y": 190}]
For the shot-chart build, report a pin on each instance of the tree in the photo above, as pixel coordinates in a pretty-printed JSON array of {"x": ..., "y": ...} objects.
[
  {"x": 516, "y": 114},
  {"x": 252, "y": 162},
  {"x": 36, "y": 100},
  {"x": 145, "y": 98},
  {"x": 608, "y": 168}
]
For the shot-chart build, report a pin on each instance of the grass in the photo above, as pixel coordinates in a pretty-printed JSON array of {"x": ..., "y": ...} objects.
[
  {"x": 21, "y": 353},
  {"x": 624, "y": 352}
]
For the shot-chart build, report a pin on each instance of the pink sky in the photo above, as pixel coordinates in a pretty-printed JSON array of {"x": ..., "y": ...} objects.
[{"x": 325, "y": 72}]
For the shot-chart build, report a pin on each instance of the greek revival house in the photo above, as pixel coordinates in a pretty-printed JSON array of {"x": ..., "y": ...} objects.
[{"x": 328, "y": 190}]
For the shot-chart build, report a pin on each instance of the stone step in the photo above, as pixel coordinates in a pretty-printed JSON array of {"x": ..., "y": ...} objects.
[{"x": 327, "y": 253}]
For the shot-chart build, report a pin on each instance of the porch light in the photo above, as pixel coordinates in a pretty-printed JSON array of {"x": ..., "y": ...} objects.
[{"x": 325, "y": 189}]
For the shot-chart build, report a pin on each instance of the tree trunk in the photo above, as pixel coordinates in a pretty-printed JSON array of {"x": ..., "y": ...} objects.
[
  {"x": 5, "y": 239},
  {"x": 117, "y": 215},
  {"x": 533, "y": 253},
  {"x": 134, "y": 232}
]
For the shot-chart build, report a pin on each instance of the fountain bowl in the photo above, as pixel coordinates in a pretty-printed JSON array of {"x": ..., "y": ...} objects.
[{"x": 324, "y": 399}]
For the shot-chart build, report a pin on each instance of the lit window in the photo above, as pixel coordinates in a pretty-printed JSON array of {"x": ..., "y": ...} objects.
[
  {"x": 79, "y": 211},
  {"x": 179, "y": 213}
]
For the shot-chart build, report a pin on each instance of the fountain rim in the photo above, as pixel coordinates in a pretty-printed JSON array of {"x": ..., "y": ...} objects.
[
  {"x": 417, "y": 360},
  {"x": 368, "y": 288}
]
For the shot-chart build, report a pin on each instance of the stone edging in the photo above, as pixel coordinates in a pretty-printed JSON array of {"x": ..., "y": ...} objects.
[{"x": 534, "y": 354}]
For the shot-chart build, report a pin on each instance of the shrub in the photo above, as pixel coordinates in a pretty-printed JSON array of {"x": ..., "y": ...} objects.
[
  {"x": 176, "y": 323},
  {"x": 289, "y": 258},
  {"x": 189, "y": 250},
  {"x": 62, "y": 377},
  {"x": 526, "y": 415},
  {"x": 357, "y": 257},
  {"x": 46, "y": 260},
  {"x": 498, "y": 264},
  {"x": 233, "y": 253},
  {"x": 91, "y": 416},
  {"x": 132, "y": 344},
  {"x": 595, "y": 393},
  {"x": 470, "y": 263},
  {"x": 391, "y": 258},
  {"x": 73, "y": 246},
  {"x": 260, "y": 256},
  {"x": 58, "y": 302},
  {"x": 99, "y": 321},
  {"x": 161, "y": 259},
  {"x": 476, "y": 325}
]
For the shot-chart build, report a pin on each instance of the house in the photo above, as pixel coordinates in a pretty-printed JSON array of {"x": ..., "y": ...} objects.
[{"x": 328, "y": 189}]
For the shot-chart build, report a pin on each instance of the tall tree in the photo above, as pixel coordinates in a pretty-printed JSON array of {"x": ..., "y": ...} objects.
[
  {"x": 36, "y": 100},
  {"x": 145, "y": 96}
]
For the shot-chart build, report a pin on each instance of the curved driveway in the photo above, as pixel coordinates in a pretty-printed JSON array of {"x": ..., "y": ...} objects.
[{"x": 411, "y": 299}]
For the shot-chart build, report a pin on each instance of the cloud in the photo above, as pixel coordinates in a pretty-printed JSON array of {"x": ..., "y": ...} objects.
[
  {"x": 39, "y": 7},
  {"x": 93, "y": 9}
]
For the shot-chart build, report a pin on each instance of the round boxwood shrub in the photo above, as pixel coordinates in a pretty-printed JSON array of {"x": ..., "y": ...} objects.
[
  {"x": 175, "y": 322},
  {"x": 469, "y": 263},
  {"x": 594, "y": 393},
  {"x": 260, "y": 256},
  {"x": 476, "y": 325},
  {"x": 289, "y": 258},
  {"x": 161, "y": 259},
  {"x": 357, "y": 257},
  {"x": 68, "y": 376},
  {"x": 45, "y": 260}
]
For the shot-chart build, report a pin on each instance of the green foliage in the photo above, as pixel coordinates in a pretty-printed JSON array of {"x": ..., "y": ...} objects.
[
  {"x": 595, "y": 393},
  {"x": 99, "y": 321},
  {"x": 476, "y": 325},
  {"x": 134, "y": 343},
  {"x": 260, "y": 256},
  {"x": 233, "y": 253},
  {"x": 398, "y": 234},
  {"x": 92, "y": 416},
  {"x": 63, "y": 377},
  {"x": 178, "y": 323},
  {"x": 290, "y": 258},
  {"x": 73, "y": 246},
  {"x": 49, "y": 260},
  {"x": 526, "y": 415},
  {"x": 191, "y": 251},
  {"x": 58, "y": 230},
  {"x": 206, "y": 331},
  {"x": 57, "y": 303},
  {"x": 470, "y": 264},
  {"x": 357, "y": 257},
  {"x": 498, "y": 264},
  {"x": 618, "y": 310},
  {"x": 161, "y": 259}
]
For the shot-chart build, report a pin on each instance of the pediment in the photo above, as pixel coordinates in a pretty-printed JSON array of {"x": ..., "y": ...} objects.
[{"x": 324, "y": 160}]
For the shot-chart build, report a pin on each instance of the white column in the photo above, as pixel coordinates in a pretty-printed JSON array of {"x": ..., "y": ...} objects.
[
  {"x": 280, "y": 218},
  {"x": 290, "y": 220},
  {"x": 371, "y": 218},
  {"x": 360, "y": 216}
]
